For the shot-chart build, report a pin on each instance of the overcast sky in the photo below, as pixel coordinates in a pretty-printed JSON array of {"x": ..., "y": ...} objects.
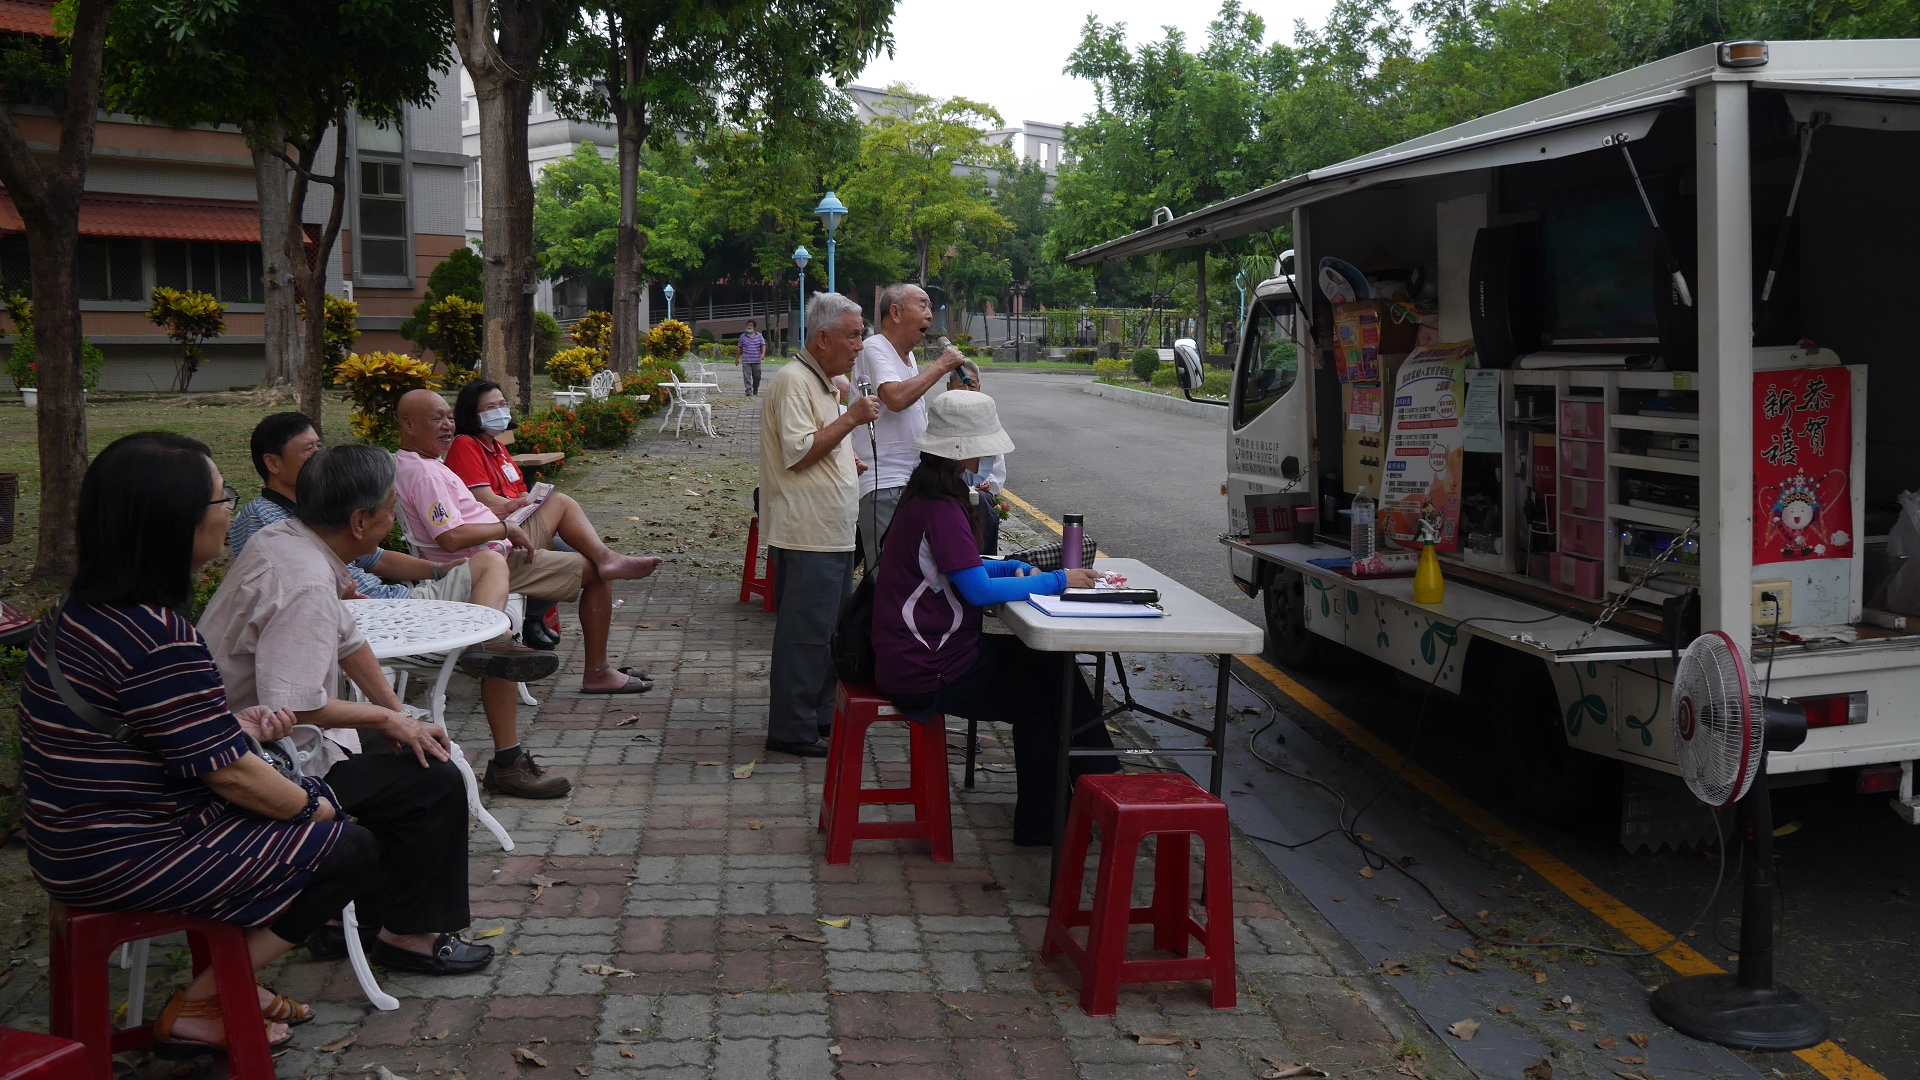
[{"x": 1009, "y": 53}]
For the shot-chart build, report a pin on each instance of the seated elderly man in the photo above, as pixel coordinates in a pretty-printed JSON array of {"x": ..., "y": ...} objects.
[
  {"x": 280, "y": 634},
  {"x": 448, "y": 523}
]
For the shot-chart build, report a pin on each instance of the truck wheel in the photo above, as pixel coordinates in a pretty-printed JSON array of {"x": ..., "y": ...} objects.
[
  {"x": 1288, "y": 639},
  {"x": 1551, "y": 780}
]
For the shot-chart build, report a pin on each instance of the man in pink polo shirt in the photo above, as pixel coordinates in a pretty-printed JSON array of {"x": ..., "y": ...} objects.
[{"x": 447, "y": 523}]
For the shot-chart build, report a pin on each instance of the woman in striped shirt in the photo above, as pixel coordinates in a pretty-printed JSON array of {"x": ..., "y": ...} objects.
[{"x": 179, "y": 815}]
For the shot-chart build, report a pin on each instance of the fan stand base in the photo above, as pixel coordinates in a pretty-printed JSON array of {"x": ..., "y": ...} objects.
[{"x": 1717, "y": 1009}]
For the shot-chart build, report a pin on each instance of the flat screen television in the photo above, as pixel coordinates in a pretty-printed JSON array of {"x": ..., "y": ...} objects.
[{"x": 1601, "y": 274}]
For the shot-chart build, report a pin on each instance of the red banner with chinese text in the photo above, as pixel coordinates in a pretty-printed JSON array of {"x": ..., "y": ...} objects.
[{"x": 1802, "y": 457}]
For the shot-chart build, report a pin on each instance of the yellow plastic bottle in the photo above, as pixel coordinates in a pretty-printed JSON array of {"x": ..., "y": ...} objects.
[{"x": 1429, "y": 587}]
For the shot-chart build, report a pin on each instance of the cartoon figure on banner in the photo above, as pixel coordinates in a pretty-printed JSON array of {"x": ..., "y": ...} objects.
[{"x": 1795, "y": 520}]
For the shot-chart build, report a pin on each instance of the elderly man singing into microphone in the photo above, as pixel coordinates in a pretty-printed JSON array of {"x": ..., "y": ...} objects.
[
  {"x": 807, "y": 496},
  {"x": 886, "y": 363}
]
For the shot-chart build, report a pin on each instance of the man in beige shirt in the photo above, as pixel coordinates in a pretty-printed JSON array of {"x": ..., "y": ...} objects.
[
  {"x": 279, "y": 633},
  {"x": 809, "y": 486}
]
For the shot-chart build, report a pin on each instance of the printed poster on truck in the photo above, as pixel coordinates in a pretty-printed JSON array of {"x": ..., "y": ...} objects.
[
  {"x": 1425, "y": 444},
  {"x": 1802, "y": 459}
]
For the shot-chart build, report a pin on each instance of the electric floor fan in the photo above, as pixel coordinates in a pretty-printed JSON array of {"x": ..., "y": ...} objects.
[{"x": 1723, "y": 732}]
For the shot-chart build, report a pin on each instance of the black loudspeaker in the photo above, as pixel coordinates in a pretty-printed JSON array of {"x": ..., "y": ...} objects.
[{"x": 1504, "y": 294}]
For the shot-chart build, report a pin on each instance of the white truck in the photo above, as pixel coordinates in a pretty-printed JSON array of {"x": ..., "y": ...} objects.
[{"x": 1681, "y": 281}]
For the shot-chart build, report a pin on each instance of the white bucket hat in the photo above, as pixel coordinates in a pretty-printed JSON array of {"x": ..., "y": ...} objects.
[{"x": 963, "y": 424}]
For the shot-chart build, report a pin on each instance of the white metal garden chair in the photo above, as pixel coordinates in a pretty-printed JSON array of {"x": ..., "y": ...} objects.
[
  {"x": 603, "y": 385},
  {"x": 689, "y": 400}
]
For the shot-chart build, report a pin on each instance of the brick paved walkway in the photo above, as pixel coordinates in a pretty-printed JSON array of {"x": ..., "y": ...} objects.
[{"x": 703, "y": 885}]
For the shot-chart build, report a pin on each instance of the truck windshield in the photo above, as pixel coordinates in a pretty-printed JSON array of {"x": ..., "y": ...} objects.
[{"x": 1269, "y": 360}]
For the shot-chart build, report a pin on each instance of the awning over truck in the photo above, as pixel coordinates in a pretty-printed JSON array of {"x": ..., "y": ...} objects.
[{"x": 1270, "y": 207}]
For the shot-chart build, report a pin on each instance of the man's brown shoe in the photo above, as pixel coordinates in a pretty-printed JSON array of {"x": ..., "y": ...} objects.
[
  {"x": 526, "y": 779},
  {"x": 505, "y": 658}
]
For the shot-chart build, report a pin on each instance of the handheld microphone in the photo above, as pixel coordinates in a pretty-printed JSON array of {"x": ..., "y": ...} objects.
[{"x": 865, "y": 386}]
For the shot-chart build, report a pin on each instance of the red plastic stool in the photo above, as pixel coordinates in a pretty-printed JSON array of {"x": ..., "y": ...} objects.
[
  {"x": 750, "y": 584},
  {"x": 857, "y": 709},
  {"x": 82, "y": 945},
  {"x": 27, "y": 1056},
  {"x": 1128, "y": 809}
]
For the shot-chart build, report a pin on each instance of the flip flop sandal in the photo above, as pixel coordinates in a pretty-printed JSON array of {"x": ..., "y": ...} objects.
[
  {"x": 168, "y": 1048},
  {"x": 632, "y": 686},
  {"x": 285, "y": 1010},
  {"x": 636, "y": 673}
]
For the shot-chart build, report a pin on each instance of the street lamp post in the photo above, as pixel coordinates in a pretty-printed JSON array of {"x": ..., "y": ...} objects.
[
  {"x": 830, "y": 211},
  {"x": 669, "y": 294},
  {"x": 801, "y": 257}
]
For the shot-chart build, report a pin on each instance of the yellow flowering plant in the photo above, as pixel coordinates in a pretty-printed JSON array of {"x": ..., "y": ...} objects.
[
  {"x": 669, "y": 341},
  {"x": 189, "y": 318},
  {"x": 575, "y": 366},
  {"x": 595, "y": 332},
  {"x": 375, "y": 382}
]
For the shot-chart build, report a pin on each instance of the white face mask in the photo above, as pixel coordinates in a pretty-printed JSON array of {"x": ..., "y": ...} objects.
[{"x": 496, "y": 420}]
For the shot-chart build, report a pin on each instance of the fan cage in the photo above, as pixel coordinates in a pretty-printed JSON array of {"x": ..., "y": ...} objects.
[{"x": 1716, "y": 721}]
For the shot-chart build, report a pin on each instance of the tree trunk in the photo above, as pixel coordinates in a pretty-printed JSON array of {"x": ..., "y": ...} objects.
[
  {"x": 46, "y": 193},
  {"x": 1200, "y": 280},
  {"x": 628, "y": 69},
  {"x": 273, "y": 184},
  {"x": 500, "y": 43},
  {"x": 310, "y": 268}
]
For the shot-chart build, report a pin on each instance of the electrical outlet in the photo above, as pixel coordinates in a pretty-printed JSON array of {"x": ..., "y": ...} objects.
[{"x": 1772, "y": 603}]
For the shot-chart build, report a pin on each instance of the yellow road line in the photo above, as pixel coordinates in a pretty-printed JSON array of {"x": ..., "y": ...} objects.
[
  {"x": 1828, "y": 1059},
  {"x": 1043, "y": 519}
]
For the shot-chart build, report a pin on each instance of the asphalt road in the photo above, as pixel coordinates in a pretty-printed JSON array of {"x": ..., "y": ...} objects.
[{"x": 1149, "y": 484}]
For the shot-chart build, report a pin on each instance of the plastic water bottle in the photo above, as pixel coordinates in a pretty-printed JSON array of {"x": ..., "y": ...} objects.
[
  {"x": 1072, "y": 544},
  {"x": 1361, "y": 536}
]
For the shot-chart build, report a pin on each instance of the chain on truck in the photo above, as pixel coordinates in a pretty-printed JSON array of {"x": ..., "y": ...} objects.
[{"x": 1616, "y": 345}]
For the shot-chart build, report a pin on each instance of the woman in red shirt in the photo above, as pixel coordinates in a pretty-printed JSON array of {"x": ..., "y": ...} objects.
[{"x": 483, "y": 463}]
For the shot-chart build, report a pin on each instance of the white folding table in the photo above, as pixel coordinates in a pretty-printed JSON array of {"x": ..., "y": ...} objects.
[{"x": 1192, "y": 624}]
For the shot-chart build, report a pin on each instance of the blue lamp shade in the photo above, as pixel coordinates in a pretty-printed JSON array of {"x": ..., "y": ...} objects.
[
  {"x": 801, "y": 256},
  {"x": 668, "y": 292},
  {"x": 830, "y": 211}
]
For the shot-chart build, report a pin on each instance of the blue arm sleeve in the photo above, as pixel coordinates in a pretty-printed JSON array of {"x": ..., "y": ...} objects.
[
  {"x": 982, "y": 591},
  {"x": 1006, "y": 568}
]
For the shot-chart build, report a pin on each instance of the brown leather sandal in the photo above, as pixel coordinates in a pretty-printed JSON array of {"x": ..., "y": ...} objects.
[
  {"x": 284, "y": 1010},
  {"x": 168, "y": 1048}
]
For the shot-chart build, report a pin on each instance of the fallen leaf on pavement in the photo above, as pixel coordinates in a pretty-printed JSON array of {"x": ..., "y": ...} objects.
[
  {"x": 1021, "y": 966},
  {"x": 341, "y": 1043},
  {"x": 494, "y": 931},
  {"x": 1464, "y": 1030},
  {"x": 1506, "y": 1010},
  {"x": 1457, "y": 962},
  {"x": 1469, "y": 952},
  {"x": 741, "y": 772},
  {"x": 1539, "y": 1070},
  {"x": 538, "y": 1039},
  {"x": 1156, "y": 1040},
  {"x": 583, "y": 1070},
  {"x": 1284, "y": 1072},
  {"x": 1637, "y": 1039},
  {"x": 1607, "y": 1043},
  {"x": 840, "y": 923},
  {"x": 625, "y": 1053},
  {"x": 1483, "y": 913},
  {"x": 1631, "y": 1060},
  {"x": 573, "y": 821},
  {"x": 813, "y": 938},
  {"x": 1539, "y": 978},
  {"x": 1390, "y": 967},
  {"x": 834, "y": 1050},
  {"x": 1576, "y": 1025},
  {"x": 527, "y": 1057},
  {"x": 605, "y": 969},
  {"x": 1366, "y": 871},
  {"x": 755, "y": 826},
  {"x": 628, "y": 721},
  {"x": 1624, "y": 1075}
]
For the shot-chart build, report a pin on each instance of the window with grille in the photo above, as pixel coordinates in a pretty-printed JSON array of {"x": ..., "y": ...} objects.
[
  {"x": 231, "y": 272},
  {"x": 473, "y": 189}
]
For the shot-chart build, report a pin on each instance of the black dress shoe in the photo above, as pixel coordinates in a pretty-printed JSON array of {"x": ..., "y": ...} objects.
[
  {"x": 330, "y": 942},
  {"x": 534, "y": 634},
  {"x": 450, "y": 956},
  {"x": 816, "y": 748}
]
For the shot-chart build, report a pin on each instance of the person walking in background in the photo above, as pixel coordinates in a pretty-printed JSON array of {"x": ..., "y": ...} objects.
[
  {"x": 808, "y": 489},
  {"x": 886, "y": 363},
  {"x": 753, "y": 349}
]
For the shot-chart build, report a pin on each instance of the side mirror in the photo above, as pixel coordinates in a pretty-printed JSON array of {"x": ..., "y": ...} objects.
[{"x": 1187, "y": 365}]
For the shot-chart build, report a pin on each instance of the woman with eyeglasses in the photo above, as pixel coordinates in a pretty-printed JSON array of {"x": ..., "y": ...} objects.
[{"x": 177, "y": 814}]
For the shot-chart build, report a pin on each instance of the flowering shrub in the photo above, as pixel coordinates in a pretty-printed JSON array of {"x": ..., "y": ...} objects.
[
  {"x": 555, "y": 431},
  {"x": 669, "y": 341},
  {"x": 609, "y": 424},
  {"x": 645, "y": 381},
  {"x": 21, "y": 367},
  {"x": 189, "y": 318},
  {"x": 375, "y": 383},
  {"x": 458, "y": 324},
  {"x": 575, "y": 366},
  {"x": 595, "y": 332},
  {"x": 1111, "y": 370}
]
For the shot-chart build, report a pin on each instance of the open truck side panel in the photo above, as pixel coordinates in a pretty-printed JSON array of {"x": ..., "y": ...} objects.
[{"x": 1653, "y": 429}]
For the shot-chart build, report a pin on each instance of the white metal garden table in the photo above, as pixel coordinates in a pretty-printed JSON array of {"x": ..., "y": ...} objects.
[{"x": 424, "y": 629}]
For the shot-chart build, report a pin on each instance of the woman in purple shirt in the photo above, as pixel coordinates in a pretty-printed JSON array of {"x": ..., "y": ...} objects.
[{"x": 928, "y": 648}]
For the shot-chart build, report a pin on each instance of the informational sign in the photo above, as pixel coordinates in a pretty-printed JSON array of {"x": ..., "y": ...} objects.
[
  {"x": 1421, "y": 478},
  {"x": 1802, "y": 458},
  {"x": 1366, "y": 412},
  {"x": 1483, "y": 412}
]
